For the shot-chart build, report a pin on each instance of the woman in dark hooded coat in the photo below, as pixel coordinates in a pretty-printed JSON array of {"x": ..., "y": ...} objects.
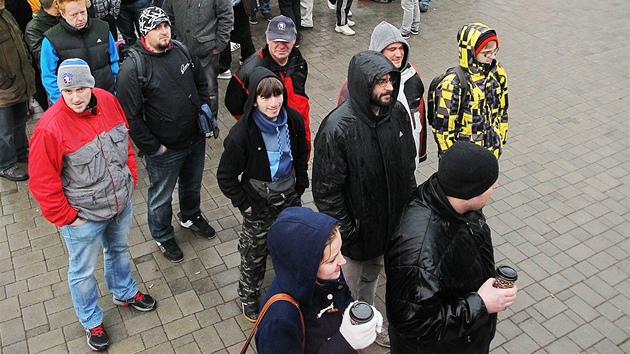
[{"x": 305, "y": 248}]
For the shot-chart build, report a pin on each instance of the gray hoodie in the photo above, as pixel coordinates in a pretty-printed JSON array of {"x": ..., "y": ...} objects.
[{"x": 385, "y": 34}]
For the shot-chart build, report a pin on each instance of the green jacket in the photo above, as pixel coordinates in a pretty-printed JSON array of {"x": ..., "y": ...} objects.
[{"x": 17, "y": 77}]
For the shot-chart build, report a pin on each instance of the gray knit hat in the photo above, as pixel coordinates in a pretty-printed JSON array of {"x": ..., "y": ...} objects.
[
  {"x": 74, "y": 73},
  {"x": 150, "y": 18}
]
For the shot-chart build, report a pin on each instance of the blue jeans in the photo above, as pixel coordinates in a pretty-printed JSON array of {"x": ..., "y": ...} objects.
[
  {"x": 83, "y": 244},
  {"x": 185, "y": 164},
  {"x": 128, "y": 19},
  {"x": 13, "y": 140},
  {"x": 426, "y": 2},
  {"x": 264, "y": 6}
]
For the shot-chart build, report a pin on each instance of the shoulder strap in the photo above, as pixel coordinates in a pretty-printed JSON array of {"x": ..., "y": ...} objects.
[
  {"x": 463, "y": 91},
  {"x": 281, "y": 296},
  {"x": 186, "y": 51},
  {"x": 138, "y": 60}
]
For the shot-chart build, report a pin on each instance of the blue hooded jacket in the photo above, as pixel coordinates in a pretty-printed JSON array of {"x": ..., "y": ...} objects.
[{"x": 296, "y": 242}]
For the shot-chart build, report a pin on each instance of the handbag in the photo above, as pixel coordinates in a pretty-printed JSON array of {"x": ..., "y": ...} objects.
[{"x": 281, "y": 296}]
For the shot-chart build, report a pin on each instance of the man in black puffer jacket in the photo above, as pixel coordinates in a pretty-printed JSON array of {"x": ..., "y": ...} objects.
[
  {"x": 363, "y": 168},
  {"x": 440, "y": 263}
]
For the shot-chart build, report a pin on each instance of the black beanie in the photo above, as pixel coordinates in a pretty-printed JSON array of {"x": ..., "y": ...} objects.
[{"x": 467, "y": 170}]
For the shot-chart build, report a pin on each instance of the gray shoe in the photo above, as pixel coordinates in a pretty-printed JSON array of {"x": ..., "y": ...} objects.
[
  {"x": 424, "y": 7},
  {"x": 14, "y": 173},
  {"x": 382, "y": 338}
]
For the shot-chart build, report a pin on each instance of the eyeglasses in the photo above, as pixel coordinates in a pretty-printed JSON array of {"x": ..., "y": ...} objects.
[
  {"x": 488, "y": 53},
  {"x": 382, "y": 82}
]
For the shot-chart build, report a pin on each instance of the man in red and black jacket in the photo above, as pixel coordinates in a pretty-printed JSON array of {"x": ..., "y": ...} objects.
[{"x": 282, "y": 58}]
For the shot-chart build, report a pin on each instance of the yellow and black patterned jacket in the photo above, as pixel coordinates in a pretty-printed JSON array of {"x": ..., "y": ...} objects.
[{"x": 485, "y": 117}]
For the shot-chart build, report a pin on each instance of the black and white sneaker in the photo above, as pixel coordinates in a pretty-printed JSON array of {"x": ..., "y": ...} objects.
[
  {"x": 198, "y": 225},
  {"x": 97, "y": 338},
  {"x": 250, "y": 311},
  {"x": 171, "y": 251},
  {"x": 141, "y": 302}
]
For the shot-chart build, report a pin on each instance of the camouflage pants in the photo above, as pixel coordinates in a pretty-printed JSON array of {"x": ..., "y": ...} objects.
[{"x": 252, "y": 246}]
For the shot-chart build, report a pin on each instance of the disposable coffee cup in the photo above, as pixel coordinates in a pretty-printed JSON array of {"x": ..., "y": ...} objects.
[
  {"x": 361, "y": 312},
  {"x": 505, "y": 277}
]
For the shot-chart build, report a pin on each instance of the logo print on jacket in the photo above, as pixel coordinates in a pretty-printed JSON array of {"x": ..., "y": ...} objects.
[{"x": 184, "y": 67}]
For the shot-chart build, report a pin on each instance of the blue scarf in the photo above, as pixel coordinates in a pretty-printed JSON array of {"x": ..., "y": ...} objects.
[{"x": 277, "y": 143}]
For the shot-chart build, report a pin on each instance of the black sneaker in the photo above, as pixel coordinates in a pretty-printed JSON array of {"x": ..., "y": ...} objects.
[
  {"x": 198, "y": 225},
  {"x": 267, "y": 16},
  {"x": 141, "y": 302},
  {"x": 171, "y": 251},
  {"x": 252, "y": 19},
  {"x": 424, "y": 7},
  {"x": 97, "y": 338},
  {"x": 250, "y": 311}
]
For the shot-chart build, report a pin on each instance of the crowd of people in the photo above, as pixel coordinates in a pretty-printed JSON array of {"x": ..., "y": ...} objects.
[{"x": 431, "y": 239}]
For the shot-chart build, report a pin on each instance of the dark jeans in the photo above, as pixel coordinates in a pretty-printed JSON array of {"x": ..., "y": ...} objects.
[
  {"x": 13, "y": 140},
  {"x": 128, "y": 19},
  {"x": 241, "y": 34},
  {"x": 164, "y": 171}
]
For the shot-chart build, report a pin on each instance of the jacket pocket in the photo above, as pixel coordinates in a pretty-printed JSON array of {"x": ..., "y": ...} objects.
[
  {"x": 116, "y": 147},
  {"x": 85, "y": 167}
]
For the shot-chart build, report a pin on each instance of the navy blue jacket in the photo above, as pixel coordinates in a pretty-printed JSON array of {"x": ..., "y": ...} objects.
[{"x": 296, "y": 250}]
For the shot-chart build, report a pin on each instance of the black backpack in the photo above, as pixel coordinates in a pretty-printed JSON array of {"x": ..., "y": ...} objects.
[{"x": 463, "y": 93}]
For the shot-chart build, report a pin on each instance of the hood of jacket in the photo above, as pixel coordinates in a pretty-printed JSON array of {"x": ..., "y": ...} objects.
[
  {"x": 385, "y": 34},
  {"x": 296, "y": 243},
  {"x": 467, "y": 39},
  {"x": 364, "y": 70},
  {"x": 253, "y": 80}
]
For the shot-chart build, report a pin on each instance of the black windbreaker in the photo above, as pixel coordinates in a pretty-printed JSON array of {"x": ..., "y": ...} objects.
[
  {"x": 435, "y": 262},
  {"x": 363, "y": 165}
]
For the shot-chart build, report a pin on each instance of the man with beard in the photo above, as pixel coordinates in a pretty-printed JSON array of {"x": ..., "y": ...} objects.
[
  {"x": 162, "y": 95},
  {"x": 363, "y": 168}
]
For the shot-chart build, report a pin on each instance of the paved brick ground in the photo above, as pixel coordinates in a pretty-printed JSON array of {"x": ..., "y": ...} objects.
[{"x": 560, "y": 216}]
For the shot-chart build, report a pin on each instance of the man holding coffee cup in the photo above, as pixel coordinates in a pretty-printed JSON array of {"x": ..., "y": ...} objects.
[{"x": 439, "y": 262}]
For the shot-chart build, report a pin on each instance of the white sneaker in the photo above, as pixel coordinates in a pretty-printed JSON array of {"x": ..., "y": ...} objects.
[
  {"x": 331, "y": 5},
  {"x": 345, "y": 30},
  {"x": 234, "y": 46},
  {"x": 350, "y": 23},
  {"x": 349, "y": 13},
  {"x": 226, "y": 75}
]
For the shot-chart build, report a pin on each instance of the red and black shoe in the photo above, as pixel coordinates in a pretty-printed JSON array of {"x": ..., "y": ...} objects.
[
  {"x": 97, "y": 338},
  {"x": 141, "y": 302}
]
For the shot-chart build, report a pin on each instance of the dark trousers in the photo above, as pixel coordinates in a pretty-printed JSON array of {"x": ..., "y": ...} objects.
[
  {"x": 291, "y": 9},
  {"x": 40, "y": 92},
  {"x": 242, "y": 35}
]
